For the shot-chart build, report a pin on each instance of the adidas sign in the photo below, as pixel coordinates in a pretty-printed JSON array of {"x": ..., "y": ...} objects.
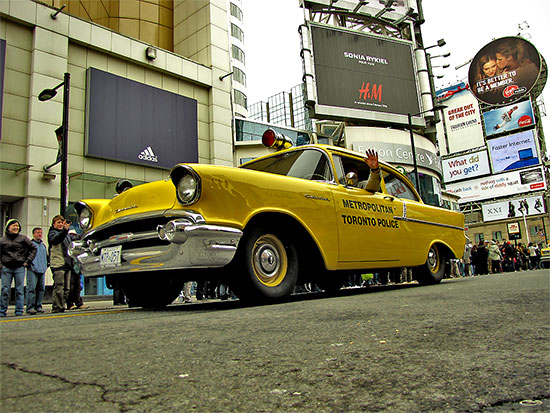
[{"x": 148, "y": 155}]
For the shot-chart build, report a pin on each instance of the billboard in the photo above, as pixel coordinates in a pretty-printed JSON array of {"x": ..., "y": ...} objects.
[
  {"x": 131, "y": 122},
  {"x": 504, "y": 70},
  {"x": 495, "y": 186},
  {"x": 507, "y": 118},
  {"x": 401, "y": 154},
  {"x": 513, "y": 151},
  {"x": 462, "y": 120},
  {"x": 362, "y": 75},
  {"x": 466, "y": 166},
  {"x": 531, "y": 205}
]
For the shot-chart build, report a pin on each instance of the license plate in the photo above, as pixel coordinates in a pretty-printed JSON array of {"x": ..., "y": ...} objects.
[{"x": 110, "y": 256}]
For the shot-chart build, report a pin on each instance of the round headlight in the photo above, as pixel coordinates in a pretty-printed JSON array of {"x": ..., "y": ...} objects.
[
  {"x": 187, "y": 188},
  {"x": 187, "y": 182},
  {"x": 85, "y": 218}
]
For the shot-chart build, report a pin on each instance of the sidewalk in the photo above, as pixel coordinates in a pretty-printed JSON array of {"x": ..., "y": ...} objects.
[{"x": 91, "y": 303}]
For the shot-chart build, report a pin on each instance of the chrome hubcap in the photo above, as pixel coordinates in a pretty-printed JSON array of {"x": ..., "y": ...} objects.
[{"x": 267, "y": 260}]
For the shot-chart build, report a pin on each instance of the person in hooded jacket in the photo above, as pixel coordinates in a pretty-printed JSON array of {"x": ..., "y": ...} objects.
[
  {"x": 60, "y": 262},
  {"x": 16, "y": 254}
]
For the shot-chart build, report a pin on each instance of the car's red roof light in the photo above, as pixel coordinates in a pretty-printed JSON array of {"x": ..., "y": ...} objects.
[
  {"x": 268, "y": 138},
  {"x": 272, "y": 139}
]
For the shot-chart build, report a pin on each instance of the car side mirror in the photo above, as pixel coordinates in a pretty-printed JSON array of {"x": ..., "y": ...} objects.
[{"x": 351, "y": 179}]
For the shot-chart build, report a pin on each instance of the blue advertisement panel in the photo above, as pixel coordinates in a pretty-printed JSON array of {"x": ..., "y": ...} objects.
[
  {"x": 513, "y": 151},
  {"x": 131, "y": 122},
  {"x": 508, "y": 118}
]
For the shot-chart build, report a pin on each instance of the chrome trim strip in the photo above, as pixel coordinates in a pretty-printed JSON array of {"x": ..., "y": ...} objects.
[
  {"x": 197, "y": 218},
  {"x": 124, "y": 238},
  {"x": 419, "y": 221}
]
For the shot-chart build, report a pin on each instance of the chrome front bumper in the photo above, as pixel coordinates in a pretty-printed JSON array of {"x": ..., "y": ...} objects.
[{"x": 192, "y": 244}]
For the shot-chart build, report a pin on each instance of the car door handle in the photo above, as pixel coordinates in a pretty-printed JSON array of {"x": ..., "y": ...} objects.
[{"x": 389, "y": 198}]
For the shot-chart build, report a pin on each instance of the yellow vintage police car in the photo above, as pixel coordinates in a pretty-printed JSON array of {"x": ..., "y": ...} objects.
[{"x": 293, "y": 216}]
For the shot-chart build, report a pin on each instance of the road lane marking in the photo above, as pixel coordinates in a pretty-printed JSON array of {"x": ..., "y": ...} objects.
[{"x": 60, "y": 316}]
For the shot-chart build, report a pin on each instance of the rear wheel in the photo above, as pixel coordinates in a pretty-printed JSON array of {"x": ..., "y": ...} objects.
[
  {"x": 151, "y": 291},
  {"x": 433, "y": 270},
  {"x": 269, "y": 265}
]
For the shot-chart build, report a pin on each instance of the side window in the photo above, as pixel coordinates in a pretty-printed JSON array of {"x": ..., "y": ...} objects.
[
  {"x": 397, "y": 187},
  {"x": 345, "y": 165},
  {"x": 340, "y": 173}
]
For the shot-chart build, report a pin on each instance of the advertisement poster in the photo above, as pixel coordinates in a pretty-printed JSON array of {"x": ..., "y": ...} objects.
[
  {"x": 532, "y": 205},
  {"x": 465, "y": 166},
  {"x": 513, "y": 151},
  {"x": 463, "y": 122},
  {"x": 514, "y": 230},
  {"x": 504, "y": 71},
  {"x": 508, "y": 118},
  {"x": 130, "y": 122},
  {"x": 495, "y": 186},
  {"x": 366, "y": 72}
]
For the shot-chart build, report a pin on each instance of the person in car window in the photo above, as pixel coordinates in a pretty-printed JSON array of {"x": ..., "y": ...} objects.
[{"x": 373, "y": 183}]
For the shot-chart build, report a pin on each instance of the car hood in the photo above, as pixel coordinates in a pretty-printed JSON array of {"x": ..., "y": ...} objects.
[{"x": 152, "y": 197}]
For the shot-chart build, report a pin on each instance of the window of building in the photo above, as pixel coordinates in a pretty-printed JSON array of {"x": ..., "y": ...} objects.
[
  {"x": 279, "y": 109},
  {"x": 236, "y": 32},
  {"x": 238, "y": 54},
  {"x": 536, "y": 230},
  {"x": 240, "y": 98},
  {"x": 245, "y": 130},
  {"x": 497, "y": 235},
  {"x": 479, "y": 237},
  {"x": 239, "y": 76},
  {"x": 236, "y": 12}
]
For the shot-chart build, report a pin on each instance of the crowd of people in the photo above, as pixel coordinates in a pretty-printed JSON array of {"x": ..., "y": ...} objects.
[
  {"x": 20, "y": 256},
  {"x": 490, "y": 257}
]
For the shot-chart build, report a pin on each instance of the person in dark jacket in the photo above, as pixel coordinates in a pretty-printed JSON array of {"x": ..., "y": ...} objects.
[
  {"x": 481, "y": 259},
  {"x": 16, "y": 254},
  {"x": 60, "y": 262}
]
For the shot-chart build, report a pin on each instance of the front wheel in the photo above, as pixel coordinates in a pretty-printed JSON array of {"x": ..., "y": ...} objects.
[
  {"x": 433, "y": 270},
  {"x": 269, "y": 261}
]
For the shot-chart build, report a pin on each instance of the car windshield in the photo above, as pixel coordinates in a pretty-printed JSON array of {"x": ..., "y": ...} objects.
[{"x": 309, "y": 164}]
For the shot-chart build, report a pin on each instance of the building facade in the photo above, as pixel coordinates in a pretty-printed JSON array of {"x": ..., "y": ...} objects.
[
  {"x": 284, "y": 109},
  {"x": 177, "y": 50}
]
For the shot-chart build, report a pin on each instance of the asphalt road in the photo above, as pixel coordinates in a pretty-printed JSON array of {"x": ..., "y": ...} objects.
[{"x": 470, "y": 344}]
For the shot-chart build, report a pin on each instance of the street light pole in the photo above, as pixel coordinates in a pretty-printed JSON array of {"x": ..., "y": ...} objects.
[
  {"x": 65, "y": 145},
  {"x": 415, "y": 165},
  {"x": 45, "y": 95}
]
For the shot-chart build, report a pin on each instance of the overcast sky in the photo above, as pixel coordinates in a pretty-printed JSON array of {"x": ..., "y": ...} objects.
[{"x": 272, "y": 43}]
